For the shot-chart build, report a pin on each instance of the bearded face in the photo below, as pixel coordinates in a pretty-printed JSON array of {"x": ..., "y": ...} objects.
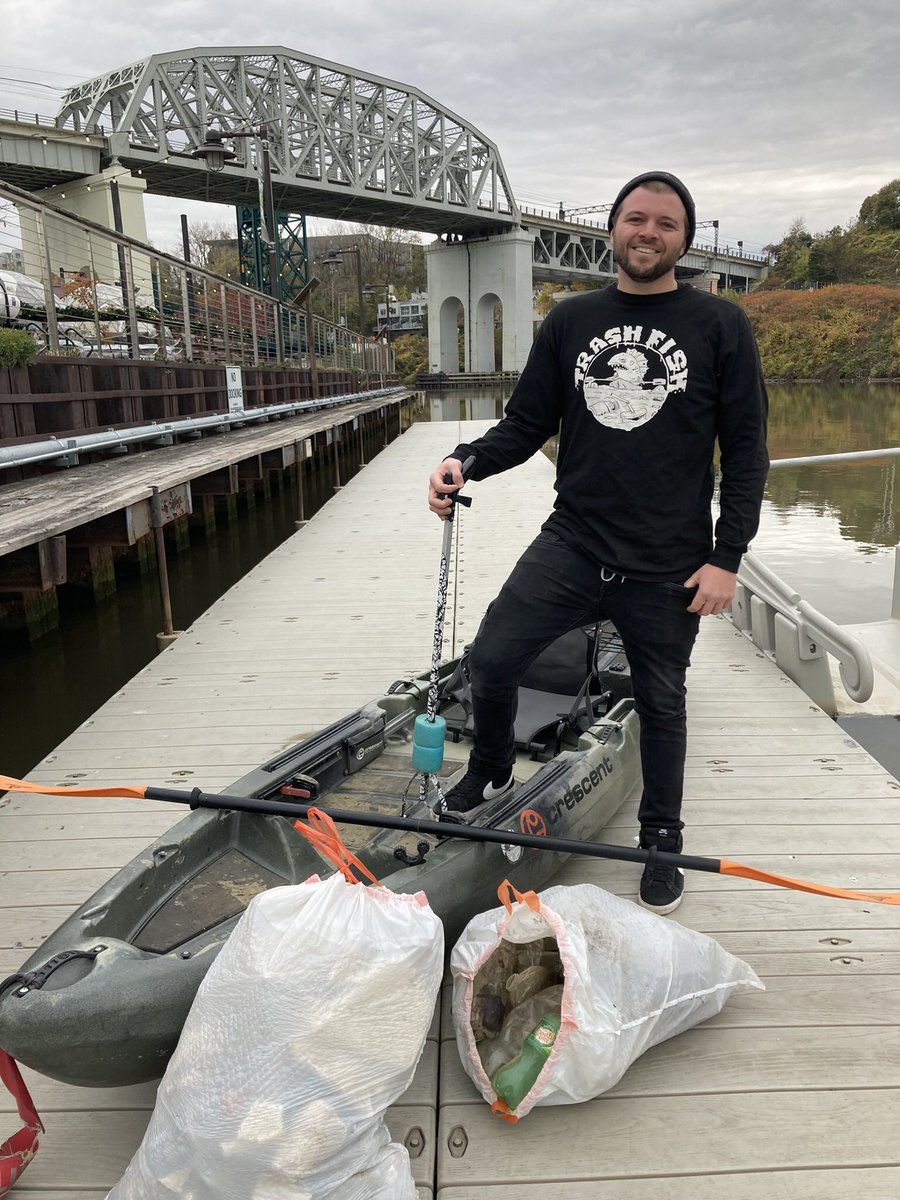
[{"x": 648, "y": 236}]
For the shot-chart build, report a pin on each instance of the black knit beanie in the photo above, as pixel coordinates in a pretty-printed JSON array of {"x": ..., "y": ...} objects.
[{"x": 675, "y": 184}]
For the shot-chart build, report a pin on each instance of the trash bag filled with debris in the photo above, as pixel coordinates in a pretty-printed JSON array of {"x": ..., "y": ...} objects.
[
  {"x": 555, "y": 996},
  {"x": 308, "y": 1025}
]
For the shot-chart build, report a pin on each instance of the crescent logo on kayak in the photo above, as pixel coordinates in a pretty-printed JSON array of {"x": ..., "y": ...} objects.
[
  {"x": 366, "y": 751},
  {"x": 579, "y": 788},
  {"x": 532, "y": 822}
]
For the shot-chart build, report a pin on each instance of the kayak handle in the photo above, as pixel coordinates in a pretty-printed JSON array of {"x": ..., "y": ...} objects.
[{"x": 33, "y": 981}]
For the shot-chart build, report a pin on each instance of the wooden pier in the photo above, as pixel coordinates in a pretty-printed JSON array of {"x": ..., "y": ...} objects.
[
  {"x": 68, "y": 525},
  {"x": 791, "y": 1093}
]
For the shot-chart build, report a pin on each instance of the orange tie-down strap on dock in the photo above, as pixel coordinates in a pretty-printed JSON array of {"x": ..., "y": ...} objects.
[
  {"x": 804, "y": 885},
  {"x": 8, "y": 784}
]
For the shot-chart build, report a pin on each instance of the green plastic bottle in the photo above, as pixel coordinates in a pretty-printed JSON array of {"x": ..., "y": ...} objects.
[{"x": 514, "y": 1080}]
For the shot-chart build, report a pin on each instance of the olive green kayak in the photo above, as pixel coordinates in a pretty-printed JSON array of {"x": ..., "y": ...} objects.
[{"x": 103, "y": 1001}]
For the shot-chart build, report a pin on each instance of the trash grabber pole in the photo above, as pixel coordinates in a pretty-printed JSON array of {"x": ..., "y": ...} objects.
[
  {"x": 430, "y": 729},
  {"x": 446, "y": 829}
]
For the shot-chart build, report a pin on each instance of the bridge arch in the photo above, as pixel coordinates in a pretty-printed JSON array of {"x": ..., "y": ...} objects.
[
  {"x": 343, "y": 144},
  {"x": 484, "y": 353},
  {"x": 451, "y": 310}
]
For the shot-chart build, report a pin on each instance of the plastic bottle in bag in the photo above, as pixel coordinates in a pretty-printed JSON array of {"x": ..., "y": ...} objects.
[
  {"x": 515, "y": 1079},
  {"x": 496, "y": 1051}
]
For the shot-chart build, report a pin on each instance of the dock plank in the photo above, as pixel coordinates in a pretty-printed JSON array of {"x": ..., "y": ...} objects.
[
  {"x": 45, "y": 507},
  {"x": 711, "y": 1059},
  {"x": 865, "y": 1183},
  {"x": 633, "y": 1137}
]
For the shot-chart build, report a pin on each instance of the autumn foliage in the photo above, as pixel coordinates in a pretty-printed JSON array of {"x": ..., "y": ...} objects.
[{"x": 842, "y": 332}]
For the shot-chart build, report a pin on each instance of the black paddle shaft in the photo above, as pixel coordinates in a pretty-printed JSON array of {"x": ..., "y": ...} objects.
[{"x": 441, "y": 829}]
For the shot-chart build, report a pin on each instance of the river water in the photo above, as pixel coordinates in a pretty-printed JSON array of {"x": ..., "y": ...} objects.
[{"x": 828, "y": 530}]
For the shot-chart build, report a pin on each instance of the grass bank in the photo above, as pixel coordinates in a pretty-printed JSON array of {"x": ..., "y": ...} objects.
[{"x": 847, "y": 331}]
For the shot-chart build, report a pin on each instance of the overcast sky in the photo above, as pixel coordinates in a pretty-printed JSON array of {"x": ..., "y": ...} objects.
[{"x": 767, "y": 109}]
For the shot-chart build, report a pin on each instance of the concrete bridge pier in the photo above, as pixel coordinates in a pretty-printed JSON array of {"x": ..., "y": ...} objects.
[
  {"x": 65, "y": 248},
  {"x": 477, "y": 274}
]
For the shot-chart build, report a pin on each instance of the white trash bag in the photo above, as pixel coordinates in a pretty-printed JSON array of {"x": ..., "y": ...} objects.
[
  {"x": 308, "y": 1025},
  {"x": 618, "y": 978}
]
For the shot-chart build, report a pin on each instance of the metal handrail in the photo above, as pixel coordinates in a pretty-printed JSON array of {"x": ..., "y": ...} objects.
[
  {"x": 846, "y": 456},
  {"x": 817, "y": 632},
  {"x": 58, "y": 448},
  {"x": 234, "y": 323},
  {"x": 20, "y": 117}
]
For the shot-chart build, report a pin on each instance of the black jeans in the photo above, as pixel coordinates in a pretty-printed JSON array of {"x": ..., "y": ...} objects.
[{"x": 552, "y": 589}]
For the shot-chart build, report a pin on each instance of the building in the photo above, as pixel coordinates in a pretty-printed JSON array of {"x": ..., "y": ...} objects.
[{"x": 403, "y": 316}]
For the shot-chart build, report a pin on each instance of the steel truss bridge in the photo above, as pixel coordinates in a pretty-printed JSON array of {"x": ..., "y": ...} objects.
[{"x": 343, "y": 144}]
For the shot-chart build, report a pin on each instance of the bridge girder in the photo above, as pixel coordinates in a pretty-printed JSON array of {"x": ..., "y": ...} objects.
[
  {"x": 560, "y": 253},
  {"x": 579, "y": 253},
  {"x": 343, "y": 144}
]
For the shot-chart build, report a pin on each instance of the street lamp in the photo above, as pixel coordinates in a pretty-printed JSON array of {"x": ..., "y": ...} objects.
[
  {"x": 335, "y": 258},
  {"x": 215, "y": 154}
]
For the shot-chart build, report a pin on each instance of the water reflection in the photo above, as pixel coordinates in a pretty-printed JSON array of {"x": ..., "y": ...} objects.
[
  {"x": 819, "y": 418},
  {"x": 831, "y": 529},
  {"x": 48, "y": 688},
  {"x": 479, "y": 404}
]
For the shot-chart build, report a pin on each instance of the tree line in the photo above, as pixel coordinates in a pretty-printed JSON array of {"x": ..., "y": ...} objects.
[
  {"x": 867, "y": 251},
  {"x": 389, "y": 258}
]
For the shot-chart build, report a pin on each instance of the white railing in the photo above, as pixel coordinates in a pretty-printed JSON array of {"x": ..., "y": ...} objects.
[
  {"x": 66, "y": 450},
  {"x": 798, "y": 637},
  {"x": 794, "y": 634}
]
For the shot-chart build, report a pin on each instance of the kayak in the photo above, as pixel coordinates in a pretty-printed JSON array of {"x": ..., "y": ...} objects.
[{"x": 102, "y": 1003}]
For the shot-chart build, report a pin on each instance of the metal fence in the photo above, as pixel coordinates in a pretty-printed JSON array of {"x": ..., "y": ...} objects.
[{"x": 81, "y": 289}]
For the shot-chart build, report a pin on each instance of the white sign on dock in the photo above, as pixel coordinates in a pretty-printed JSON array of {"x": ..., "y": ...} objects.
[{"x": 234, "y": 383}]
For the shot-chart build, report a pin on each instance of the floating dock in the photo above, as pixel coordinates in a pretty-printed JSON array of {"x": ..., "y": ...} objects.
[{"x": 794, "y": 1092}]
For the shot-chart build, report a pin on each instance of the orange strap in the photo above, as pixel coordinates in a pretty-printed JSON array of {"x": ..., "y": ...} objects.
[
  {"x": 7, "y": 783},
  {"x": 506, "y": 892},
  {"x": 321, "y": 832},
  {"x": 802, "y": 885}
]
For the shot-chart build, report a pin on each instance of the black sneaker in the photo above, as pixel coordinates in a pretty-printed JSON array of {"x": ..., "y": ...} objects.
[
  {"x": 661, "y": 886},
  {"x": 473, "y": 793}
]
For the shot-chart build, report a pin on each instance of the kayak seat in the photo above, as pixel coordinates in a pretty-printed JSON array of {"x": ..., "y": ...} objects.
[{"x": 561, "y": 690}]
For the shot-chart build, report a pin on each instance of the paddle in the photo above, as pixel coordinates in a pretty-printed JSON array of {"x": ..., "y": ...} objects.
[{"x": 444, "y": 829}]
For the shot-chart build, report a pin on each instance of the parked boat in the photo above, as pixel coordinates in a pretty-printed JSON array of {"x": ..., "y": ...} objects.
[{"x": 103, "y": 1001}]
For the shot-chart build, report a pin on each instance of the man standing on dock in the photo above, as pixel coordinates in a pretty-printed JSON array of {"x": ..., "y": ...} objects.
[{"x": 640, "y": 380}]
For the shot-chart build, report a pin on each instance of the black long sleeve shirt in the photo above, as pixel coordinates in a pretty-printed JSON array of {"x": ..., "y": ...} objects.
[{"x": 640, "y": 388}]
